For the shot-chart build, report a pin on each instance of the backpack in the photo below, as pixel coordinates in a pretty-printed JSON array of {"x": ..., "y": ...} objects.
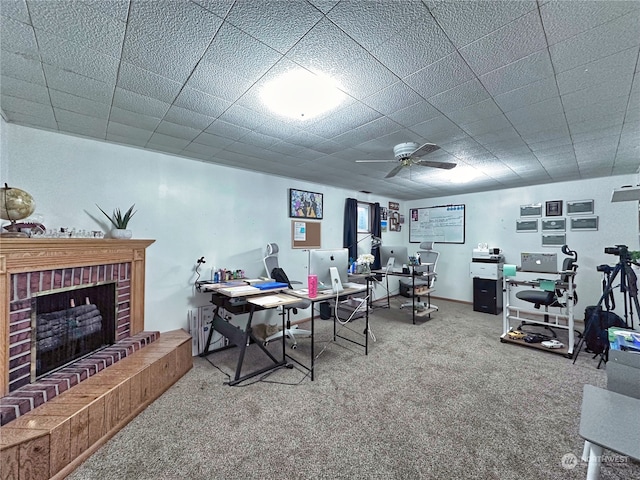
[
  {"x": 279, "y": 276},
  {"x": 597, "y": 321}
]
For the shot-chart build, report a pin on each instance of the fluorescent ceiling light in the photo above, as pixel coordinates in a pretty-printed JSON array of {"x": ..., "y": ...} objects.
[
  {"x": 302, "y": 95},
  {"x": 463, "y": 174}
]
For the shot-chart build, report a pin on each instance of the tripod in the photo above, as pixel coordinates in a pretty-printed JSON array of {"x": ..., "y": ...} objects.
[{"x": 628, "y": 288}]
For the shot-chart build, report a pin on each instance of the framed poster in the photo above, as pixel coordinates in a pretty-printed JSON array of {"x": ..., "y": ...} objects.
[
  {"x": 554, "y": 208},
  {"x": 554, "y": 239},
  {"x": 584, "y": 223},
  {"x": 580, "y": 207},
  {"x": 527, "y": 225},
  {"x": 554, "y": 224},
  {"x": 534, "y": 210},
  {"x": 303, "y": 204}
]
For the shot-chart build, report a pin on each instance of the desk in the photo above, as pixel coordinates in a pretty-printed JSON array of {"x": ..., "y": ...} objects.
[
  {"x": 324, "y": 296},
  {"x": 238, "y": 300},
  {"x": 421, "y": 272},
  {"x": 512, "y": 312}
]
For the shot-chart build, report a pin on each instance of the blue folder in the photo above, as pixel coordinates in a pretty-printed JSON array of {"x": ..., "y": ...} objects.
[{"x": 270, "y": 285}]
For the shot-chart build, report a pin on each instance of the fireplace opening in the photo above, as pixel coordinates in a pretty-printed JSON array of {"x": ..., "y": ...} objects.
[{"x": 71, "y": 323}]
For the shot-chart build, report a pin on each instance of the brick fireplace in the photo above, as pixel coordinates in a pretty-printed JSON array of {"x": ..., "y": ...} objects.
[{"x": 31, "y": 266}]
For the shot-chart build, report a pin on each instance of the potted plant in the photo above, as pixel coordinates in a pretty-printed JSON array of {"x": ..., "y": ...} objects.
[{"x": 120, "y": 222}]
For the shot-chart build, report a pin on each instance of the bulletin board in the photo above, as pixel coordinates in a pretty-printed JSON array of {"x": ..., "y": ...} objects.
[
  {"x": 441, "y": 224},
  {"x": 305, "y": 234}
]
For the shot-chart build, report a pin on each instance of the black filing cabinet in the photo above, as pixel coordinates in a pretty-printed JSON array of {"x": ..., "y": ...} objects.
[{"x": 487, "y": 295}]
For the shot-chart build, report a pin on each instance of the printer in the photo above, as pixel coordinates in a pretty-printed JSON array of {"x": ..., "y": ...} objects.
[{"x": 486, "y": 263}]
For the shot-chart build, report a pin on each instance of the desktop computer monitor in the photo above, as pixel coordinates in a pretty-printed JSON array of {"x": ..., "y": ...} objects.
[
  {"x": 320, "y": 261},
  {"x": 399, "y": 254}
]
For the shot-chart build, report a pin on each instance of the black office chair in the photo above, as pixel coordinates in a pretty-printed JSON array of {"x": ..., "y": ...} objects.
[
  {"x": 555, "y": 297},
  {"x": 271, "y": 263}
]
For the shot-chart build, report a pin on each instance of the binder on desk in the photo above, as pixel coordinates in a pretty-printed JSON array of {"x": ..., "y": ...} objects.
[{"x": 271, "y": 285}]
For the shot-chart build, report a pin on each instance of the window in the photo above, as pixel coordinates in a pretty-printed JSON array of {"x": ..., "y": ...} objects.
[{"x": 364, "y": 217}]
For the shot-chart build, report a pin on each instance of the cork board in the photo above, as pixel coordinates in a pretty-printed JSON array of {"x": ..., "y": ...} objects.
[{"x": 305, "y": 234}]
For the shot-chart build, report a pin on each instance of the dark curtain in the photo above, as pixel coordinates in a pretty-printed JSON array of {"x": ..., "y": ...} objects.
[
  {"x": 376, "y": 232},
  {"x": 350, "y": 236}
]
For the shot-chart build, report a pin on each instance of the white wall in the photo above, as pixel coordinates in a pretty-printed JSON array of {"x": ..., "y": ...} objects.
[
  {"x": 190, "y": 208},
  {"x": 491, "y": 218}
]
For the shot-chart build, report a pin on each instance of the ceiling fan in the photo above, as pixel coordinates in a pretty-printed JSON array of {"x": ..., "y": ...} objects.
[{"x": 408, "y": 154}]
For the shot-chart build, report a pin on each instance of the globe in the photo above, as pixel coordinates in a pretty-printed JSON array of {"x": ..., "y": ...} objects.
[{"x": 15, "y": 204}]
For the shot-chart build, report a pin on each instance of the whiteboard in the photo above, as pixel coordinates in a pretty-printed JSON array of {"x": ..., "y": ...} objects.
[{"x": 442, "y": 224}]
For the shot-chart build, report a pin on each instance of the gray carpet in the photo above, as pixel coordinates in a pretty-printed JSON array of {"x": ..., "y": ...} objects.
[{"x": 442, "y": 399}]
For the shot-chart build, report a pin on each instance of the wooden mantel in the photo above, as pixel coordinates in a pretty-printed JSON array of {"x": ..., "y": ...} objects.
[{"x": 18, "y": 255}]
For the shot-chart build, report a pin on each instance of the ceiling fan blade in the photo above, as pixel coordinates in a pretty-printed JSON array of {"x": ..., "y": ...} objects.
[
  {"x": 394, "y": 172},
  {"x": 425, "y": 149},
  {"x": 375, "y": 161},
  {"x": 443, "y": 165}
]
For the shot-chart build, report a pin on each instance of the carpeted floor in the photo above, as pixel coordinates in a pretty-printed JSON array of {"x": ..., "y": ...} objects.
[{"x": 443, "y": 399}]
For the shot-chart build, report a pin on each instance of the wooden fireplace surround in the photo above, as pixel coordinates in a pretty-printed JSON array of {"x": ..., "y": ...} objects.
[{"x": 20, "y": 255}]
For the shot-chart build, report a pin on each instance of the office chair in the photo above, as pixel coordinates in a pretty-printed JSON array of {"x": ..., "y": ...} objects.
[
  {"x": 270, "y": 263},
  {"x": 427, "y": 255},
  {"x": 555, "y": 297}
]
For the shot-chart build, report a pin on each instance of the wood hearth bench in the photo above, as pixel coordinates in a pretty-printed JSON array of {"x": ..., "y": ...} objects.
[{"x": 55, "y": 438}]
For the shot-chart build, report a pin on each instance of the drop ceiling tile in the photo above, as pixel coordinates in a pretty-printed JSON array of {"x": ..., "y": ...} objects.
[
  {"x": 79, "y": 85},
  {"x": 160, "y": 139},
  {"x": 144, "y": 82},
  {"x": 277, "y": 24},
  {"x": 17, "y": 36},
  {"x": 500, "y": 47},
  {"x": 218, "y": 81},
  {"x": 589, "y": 127},
  {"x": 440, "y": 76},
  {"x": 485, "y": 125},
  {"x": 599, "y": 42},
  {"x": 227, "y": 130},
  {"x": 521, "y": 73},
  {"x": 79, "y": 120},
  {"x": 75, "y": 58},
  {"x": 201, "y": 102},
  {"x": 219, "y": 7},
  {"x": 177, "y": 131},
  {"x": 138, "y": 120},
  {"x": 14, "y": 87},
  {"x": 234, "y": 50},
  {"x": 46, "y": 121},
  {"x": 465, "y": 22},
  {"x": 379, "y": 126},
  {"x": 17, "y": 66},
  {"x": 414, "y": 114},
  {"x": 527, "y": 95},
  {"x": 129, "y": 132},
  {"x": 86, "y": 130},
  {"x": 392, "y": 98},
  {"x": 286, "y": 148},
  {"x": 124, "y": 140},
  {"x": 400, "y": 55},
  {"x": 597, "y": 109},
  {"x": 118, "y": 9},
  {"x": 212, "y": 140},
  {"x": 543, "y": 128},
  {"x": 337, "y": 123},
  {"x": 461, "y": 96},
  {"x": 16, "y": 9},
  {"x": 563, "y": 20},
  {"x": 240, "y": 115},
  {"x": 165, "y": 149},
  {"x": 597, "y": 93},
  {"x": 205, "y": 151},
  {"x": 259, "y": 140},
  {"x": 535, "y": 112},
  {"x": 81, "y": 105},
  {"x": 79, "y": 23},
  {"x": 373, "y": 23},
  {"x": 135, "y": 102},
  {"x": 188, "y": 118},
  {"x": 599, "y": 71},
  {"x": 26, "y": 107}
]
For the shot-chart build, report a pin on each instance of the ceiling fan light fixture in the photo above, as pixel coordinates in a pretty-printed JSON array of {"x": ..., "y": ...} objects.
[{"x": 302, "y": 95}]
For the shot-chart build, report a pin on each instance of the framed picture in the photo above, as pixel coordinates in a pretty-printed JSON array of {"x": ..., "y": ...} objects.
[
  {"x": 527, "y": 225},
  {"x": 584, "y": 223},
  {"x": 554, "y": 208},
  {"x": 554, "y": 224},
  {"x": 303, "y": 204},
  {"x": 580, "y": 207},
  {"x": 554, "y": 239},
  {"x": 534, "y": 210}
]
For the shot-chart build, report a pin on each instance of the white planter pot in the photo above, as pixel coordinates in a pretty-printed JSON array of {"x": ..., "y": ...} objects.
[{"x": 121, "y": 234}]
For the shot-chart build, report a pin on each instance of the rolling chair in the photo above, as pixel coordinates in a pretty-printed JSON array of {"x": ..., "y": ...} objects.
[
  {"x": 270, "y": 263},
  {"x": 427, "y": 255},
  {"x": 554, "y": 297}
]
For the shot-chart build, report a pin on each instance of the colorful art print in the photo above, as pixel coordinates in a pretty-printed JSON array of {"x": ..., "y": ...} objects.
[
  {"x": 394, "y": 206},
  {"x": 303, "y": 204}
]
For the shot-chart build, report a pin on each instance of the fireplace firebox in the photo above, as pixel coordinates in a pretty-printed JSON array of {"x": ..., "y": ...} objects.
[{"x": 71, "y": 323}]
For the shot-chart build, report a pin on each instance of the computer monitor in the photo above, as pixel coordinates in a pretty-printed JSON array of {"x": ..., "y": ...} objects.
[
  {"x": 399, "y": 254},
  {"x": 321, "y": 260}
]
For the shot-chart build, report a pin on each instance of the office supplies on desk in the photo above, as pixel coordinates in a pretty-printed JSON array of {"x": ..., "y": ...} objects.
[{"x": 239, "y": 290}]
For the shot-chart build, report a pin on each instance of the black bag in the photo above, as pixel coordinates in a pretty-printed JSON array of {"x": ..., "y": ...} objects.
[
  {"x": 279, "y": 276},
  {"x": 597, "y": 321}
]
